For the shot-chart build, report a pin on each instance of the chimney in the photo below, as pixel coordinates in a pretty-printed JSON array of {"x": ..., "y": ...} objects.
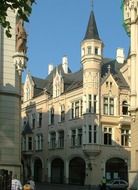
[
  {"x": 50, "y": 68},
  {"x": 120, "y": 56},
  {"x": 65, "y": 64}
]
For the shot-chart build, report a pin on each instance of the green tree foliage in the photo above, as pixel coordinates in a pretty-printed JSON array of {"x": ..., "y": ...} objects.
[{"x": 23, "y": 8}]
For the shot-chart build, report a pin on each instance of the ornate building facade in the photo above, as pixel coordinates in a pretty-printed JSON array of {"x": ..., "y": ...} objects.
[
  {"x": 76, "y": 126},
  {"x": 130, "y": 9}
]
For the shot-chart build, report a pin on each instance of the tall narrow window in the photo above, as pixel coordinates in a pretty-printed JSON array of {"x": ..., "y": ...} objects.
[
  {"x": 53, "y": 140},
  {"x": 62, "y": 113},
  {"x": 33, "y": 121},
  {"x": 125, "y": 108},
  {"x": 89, "y": 50},
  {"x": 105, "y": 106},
  {"x": 108, "y": 106},
  {"x": 72, "y": 110},
  {"x": 107, "y": 136},
  {"x": 111, "y": 106},
  {"x": 73, "y": 137},
  {"x": 95, "y": 134},
  {"x": 40, "y": 119},
  {"x": 81, "y": 107},
  {"x": 52, "y": 115},
  {"x": 96, "y": 50},
  {"x": 30, "y": 143},
  {"x": 90, "y": 134},
  {"x": 94, "y": 103},
  {"x": 77, "y": 109},
  {"x": 125, "y": 136},
  {"x": 90, "y": 103},
  {"x": 79, "y": 137},
  {"x": 61, "y": 139}
]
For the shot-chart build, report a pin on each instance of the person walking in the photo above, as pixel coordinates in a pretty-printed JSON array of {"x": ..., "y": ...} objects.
[
  {"x": 16, "y": 184},
  {"x": 32, "y": 183}
]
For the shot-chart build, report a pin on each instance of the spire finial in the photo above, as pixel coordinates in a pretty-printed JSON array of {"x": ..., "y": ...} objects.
[
  {"x": 92, "y": 5},
  {"x": 109, "y": 68}
]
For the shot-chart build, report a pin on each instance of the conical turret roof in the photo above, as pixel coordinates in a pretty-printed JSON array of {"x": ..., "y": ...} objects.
[{"x": 92, "y": 31}]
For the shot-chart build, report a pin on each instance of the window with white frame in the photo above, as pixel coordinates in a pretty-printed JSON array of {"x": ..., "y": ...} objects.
[
  {"x": 76, "y": 109},
  {"x": 76, "y": 137},
  {"x": 27, "y": 143},
  {"x": 92, "y": 134},
  {"x": 107, "y": 135},
  {"x": 38, "y": 142},
  {"x": 92, "y": 103},
  {"x": 125, "y": 137},
  {"x": 108, "y": 106}
]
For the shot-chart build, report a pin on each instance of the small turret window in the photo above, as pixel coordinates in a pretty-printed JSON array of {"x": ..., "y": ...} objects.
[
  {"x": 96, "y": 51},
  {"x": 89, "y": 50},
  {"x": 83, "y": 51}
]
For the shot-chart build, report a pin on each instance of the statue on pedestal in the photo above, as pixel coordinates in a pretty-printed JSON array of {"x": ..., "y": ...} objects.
[{"x": 21, "y": 37}]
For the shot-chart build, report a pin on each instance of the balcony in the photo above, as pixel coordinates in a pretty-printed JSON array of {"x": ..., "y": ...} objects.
[
  {"x": 125, "y": 119},
  {"x": 91, "y": 149}
]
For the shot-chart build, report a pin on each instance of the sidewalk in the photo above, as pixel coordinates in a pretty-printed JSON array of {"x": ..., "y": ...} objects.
[{"x": 45, "y": 186}]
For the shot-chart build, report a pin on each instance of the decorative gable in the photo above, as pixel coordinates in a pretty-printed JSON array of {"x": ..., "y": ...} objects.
[
  {"x": 58, "y": 84},
  {"x": 28, "y": 88},
  {"x": 109, "y": 86}
]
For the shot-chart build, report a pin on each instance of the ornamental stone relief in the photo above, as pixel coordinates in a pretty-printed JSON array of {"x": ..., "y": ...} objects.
[{"x": 91, "y": 77}]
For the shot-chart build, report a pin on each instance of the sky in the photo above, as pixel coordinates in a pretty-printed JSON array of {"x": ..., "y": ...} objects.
[{"x": 57, "y": 27}]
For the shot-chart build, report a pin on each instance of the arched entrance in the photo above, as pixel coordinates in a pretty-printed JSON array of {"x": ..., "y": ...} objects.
[
  {"x": 38, "y": 170},
  {"x": 57, "y": 171},
  {"x": 77, "y": 171},
  {"x": 116, "y": 168}
]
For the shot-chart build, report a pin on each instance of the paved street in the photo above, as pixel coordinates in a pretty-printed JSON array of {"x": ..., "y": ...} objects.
[{"x": 44, "y": 186}]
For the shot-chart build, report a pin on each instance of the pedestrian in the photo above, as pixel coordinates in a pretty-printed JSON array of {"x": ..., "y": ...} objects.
[
  {"x": 104, "y": 183},
  {"x": 32, "y": 183},
  {"x": 16, "y": 184}
]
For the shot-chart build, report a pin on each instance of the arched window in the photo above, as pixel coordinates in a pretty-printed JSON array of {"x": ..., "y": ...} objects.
[{"x": 124, "y": 108}]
